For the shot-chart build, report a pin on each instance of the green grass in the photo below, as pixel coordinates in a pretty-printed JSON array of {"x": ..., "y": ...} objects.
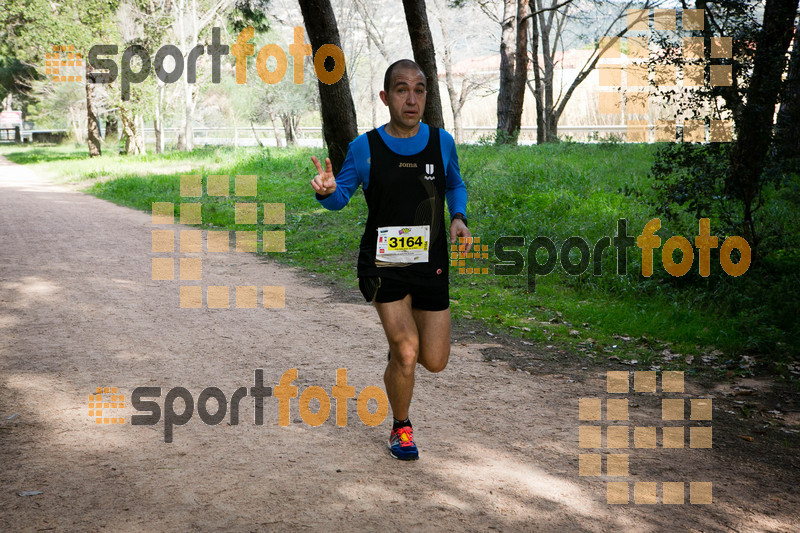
[{"x": 555, "y": 191}]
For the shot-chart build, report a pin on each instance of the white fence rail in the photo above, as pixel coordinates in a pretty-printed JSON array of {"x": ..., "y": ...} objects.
[{"x": 312, "y": 136}]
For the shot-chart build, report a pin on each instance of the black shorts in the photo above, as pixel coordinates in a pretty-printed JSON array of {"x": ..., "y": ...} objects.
[{"x": 424, "y": 297}]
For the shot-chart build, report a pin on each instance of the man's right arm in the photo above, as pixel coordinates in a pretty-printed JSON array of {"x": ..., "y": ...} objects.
[
  {"x": 354, "y": 172},
  {"x": 347, "y": 181}
]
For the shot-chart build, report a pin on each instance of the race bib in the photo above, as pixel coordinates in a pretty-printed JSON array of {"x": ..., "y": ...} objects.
[{"x": 403, "y": 244}]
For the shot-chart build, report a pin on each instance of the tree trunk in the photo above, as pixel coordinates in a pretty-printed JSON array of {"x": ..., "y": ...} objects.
[
  {"x": 92, "y": 123},
  {"x": 255, "y": 134},
  {"x": 537, "y": 75},
  {"x": 75, "y": 115},
  {"x": 505, "y": 93},
  {"x": 552, "y": 123},
  {"x": 513, "y": 70},
  {"x": 288, "y": 131},
  {"x": 157, "y": 132},
  {"x": 545, "y": 26},
  {"x": 133, "y": 141},
  {"x": 273, "y": 119},
  {"x": 76, "y": 130},
  {"x": 754, "y": 130},
  {"x": 188, "y": 40},
  {"x": 339, "y": 125},
  {"x": 158, "y": 122},
  {"x": 787, "y": 126},
  {"x": 520, "y": 70},
  {"x": 191, "y": 95},
  {"x": 295, "y": 122},
  {"x": 425, "y": 56},
  {"x": 188, "y": 116},
  {"x": 455, "y": 101},
  {"x": 142, "y": 139}
]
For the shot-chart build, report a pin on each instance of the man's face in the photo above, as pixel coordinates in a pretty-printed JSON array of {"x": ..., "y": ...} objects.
[{"x": 406, "y": 97}]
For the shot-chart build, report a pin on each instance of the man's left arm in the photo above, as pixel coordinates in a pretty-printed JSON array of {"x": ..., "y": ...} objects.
[{"x": 455, "y": 192}]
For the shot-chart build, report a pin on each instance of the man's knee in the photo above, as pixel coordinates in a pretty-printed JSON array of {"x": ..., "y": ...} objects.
[
  {"x": 404, "y": 356},
  {"x": 436, "y": 363}
]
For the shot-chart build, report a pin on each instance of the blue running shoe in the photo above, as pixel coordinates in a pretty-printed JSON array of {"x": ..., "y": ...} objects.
[{"x": 401, "y": 444}]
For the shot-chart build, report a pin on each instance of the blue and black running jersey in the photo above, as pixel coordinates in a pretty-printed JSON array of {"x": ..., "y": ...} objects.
[{"x": 406, "y": 191}]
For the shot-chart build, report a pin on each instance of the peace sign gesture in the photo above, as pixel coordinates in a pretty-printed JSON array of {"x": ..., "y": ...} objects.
[{"x": 324, "y": 183}]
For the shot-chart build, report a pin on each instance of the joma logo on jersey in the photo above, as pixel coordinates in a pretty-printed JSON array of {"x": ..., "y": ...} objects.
[{"x": 408, "y": 165}]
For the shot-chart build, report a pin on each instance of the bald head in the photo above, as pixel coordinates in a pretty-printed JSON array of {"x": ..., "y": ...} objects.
[{"x": 403, "y": 64}]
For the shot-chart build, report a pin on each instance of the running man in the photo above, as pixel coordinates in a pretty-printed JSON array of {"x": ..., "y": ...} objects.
[{"x": 406, "y": 169}]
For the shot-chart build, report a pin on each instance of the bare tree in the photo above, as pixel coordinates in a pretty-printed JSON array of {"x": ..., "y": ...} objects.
[
  {"x": 468, "y": 85},
  {"x": 513, "y": 70},
  {"x": 190, "y": 22},
  {"x": 374, "y": 32},
  {"x": 154, "y": 19},
  {"x": 538, "y": 86},
  {"x": 93, "y": 16},
  {"x": 375, "y": 37},
  {"x": 517, "y": 16},
  {"x": 135, "y": 30},
  {"x": 552, "y": 19}
]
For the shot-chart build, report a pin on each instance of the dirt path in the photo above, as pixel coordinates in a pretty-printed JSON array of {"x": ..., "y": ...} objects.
[{"x": 499, "y": 448}]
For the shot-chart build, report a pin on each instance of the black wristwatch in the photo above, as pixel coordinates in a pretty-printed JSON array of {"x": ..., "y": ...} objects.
[{"x": 459, "y": 216}]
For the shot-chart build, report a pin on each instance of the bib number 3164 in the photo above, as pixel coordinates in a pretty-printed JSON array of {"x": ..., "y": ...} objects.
[{"x": 403, "y": 244}]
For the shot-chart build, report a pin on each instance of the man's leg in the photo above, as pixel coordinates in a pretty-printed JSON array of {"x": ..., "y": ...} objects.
[
  {"x": 414, "y": 336},
  {"x": 434, "y": 338},
  {"x": 401, "y": 332}
]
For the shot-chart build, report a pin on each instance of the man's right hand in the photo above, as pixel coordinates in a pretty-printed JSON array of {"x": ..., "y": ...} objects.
[{"x": 324, "y": 183}]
